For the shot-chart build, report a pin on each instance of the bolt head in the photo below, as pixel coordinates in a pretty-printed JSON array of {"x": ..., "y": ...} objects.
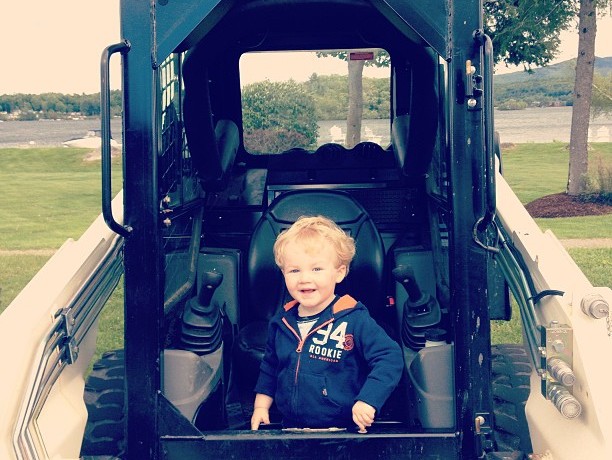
[
  {"x": 595, "y": 306},
  {"x": 558, "y": 346}
]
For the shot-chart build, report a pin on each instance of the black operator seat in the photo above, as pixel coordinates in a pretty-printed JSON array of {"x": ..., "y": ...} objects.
[{"x": 265, "y": 284}]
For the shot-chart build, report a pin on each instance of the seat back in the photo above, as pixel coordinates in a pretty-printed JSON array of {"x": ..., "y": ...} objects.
[
  {"x": 213, "y": 143},
  {"x": 266, "y": 286}
]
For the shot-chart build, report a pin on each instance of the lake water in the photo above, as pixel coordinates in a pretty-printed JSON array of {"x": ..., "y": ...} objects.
[
  {"x": 546, "y": 125},
  {"x": 48, "y": 133},
  {"x": 515, "y": 126}
]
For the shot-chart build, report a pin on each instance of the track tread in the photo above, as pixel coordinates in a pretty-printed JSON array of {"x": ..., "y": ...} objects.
[
  {"x": 511, "y": 371},
  {"x": 104, "y": 397}
]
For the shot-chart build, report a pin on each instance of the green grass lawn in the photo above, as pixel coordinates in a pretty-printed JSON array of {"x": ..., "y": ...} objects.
[
  {"x": 52, "y": 195},
  {"x": 535, "y": 170},
  {"x": 15, "y": 272},
  {"x": 578, "y": 227}
]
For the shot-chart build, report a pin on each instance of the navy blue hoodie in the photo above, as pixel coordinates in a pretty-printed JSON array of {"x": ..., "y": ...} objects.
[{"x": 346, "y": 357}]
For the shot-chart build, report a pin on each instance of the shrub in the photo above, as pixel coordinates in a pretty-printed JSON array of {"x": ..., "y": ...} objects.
[
  {"x": 27, "y": 115},
  {"x": 512, "y": 104},
  {"x": 273, "y": 140},
  {"x": 599, "y": 185},
  {"x": 283, "y": 109}
]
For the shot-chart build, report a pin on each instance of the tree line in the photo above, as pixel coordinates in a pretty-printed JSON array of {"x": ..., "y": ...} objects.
[
  {"x": 329, "y": 93},
  {"x": 553, "y": 86},
  {"x": 330, "y": 97},
  {"x": 54, "y": 105}
]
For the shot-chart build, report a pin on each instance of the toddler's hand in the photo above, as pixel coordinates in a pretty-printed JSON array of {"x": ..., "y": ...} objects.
[
  {"x": 363, "y": 415},
  {"x": 260, "y": 415}
]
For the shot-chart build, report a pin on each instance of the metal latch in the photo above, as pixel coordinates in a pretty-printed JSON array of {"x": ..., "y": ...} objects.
[
  {"x": 483, "y": 431},
  {"x": 473, "y": 85},
  {"x": 68, "y": 347}
]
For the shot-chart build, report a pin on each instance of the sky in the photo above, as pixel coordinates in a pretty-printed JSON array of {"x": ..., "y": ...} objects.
[{"x": 55, "y": 46}]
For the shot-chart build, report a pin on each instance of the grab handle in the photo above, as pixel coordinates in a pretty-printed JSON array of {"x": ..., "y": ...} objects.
[
  {"x": 122, "y": 47},
  {"x": 489, "y": 131}
]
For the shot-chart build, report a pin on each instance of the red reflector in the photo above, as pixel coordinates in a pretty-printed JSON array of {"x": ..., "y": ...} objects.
[{"x": 361, "y": 55}]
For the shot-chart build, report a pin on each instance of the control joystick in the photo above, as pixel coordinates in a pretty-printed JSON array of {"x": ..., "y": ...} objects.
[
  {"x": 201, "y": 330},
  {"x": 421, "y": 311},
  {"x": 419, "y": 302}
]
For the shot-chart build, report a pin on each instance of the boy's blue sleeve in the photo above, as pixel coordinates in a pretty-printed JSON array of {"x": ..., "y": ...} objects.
[{"x": 385, "y": 360}]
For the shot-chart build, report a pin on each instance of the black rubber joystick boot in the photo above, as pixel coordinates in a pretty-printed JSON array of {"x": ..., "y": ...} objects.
[
  {"x": 201, "y": 331},
  {"x": 421, "y": 309}
]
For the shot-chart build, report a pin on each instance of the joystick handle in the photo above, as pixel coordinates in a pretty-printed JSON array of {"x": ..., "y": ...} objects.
[
  {"x": 404, "y": 275},
  {"x": 210, "y": 282}
]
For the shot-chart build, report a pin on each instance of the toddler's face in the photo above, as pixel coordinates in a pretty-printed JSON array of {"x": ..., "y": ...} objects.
[{"x": 311, "y": 275}]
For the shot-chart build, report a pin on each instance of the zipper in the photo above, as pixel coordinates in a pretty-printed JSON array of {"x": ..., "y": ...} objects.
[{"x": 302, "y": 341}]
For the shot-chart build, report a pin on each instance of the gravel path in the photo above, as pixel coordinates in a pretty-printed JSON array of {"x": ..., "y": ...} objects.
[
  {"x": 587, "y": 243},
  {"x": 27, "y": 252}
]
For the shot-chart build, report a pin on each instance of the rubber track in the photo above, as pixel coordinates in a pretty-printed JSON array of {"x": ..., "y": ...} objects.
[
  {"x": 511, "y": 370},
  {"x": 104, "y": 398}
]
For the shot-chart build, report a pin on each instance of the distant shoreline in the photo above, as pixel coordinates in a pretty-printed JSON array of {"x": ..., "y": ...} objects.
[
  {"x": 51, "y": 133},
  {"x": 535, "y": 124}
]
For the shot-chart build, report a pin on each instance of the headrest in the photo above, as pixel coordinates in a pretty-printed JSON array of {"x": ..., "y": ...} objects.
[{"x": 364, "y": 282}]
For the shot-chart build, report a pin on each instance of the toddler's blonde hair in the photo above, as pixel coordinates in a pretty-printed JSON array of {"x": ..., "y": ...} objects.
[{"x": 309, "y": 231}]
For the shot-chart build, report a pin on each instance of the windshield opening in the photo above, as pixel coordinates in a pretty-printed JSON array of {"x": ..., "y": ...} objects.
[{"x": 305, "y": 99}]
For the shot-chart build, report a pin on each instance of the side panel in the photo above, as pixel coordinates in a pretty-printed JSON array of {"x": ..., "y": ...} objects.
[{"x": 45, "y": 359}]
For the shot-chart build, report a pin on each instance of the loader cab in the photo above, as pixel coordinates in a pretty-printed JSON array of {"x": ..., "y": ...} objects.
[{"x": 218, "y": 162}]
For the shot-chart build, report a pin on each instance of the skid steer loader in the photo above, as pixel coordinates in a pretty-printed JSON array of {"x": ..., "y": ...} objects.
[{"x": 442, "y": 242}]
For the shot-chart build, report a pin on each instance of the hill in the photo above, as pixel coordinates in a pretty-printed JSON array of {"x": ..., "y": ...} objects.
[
  {"x": 544, "y": 86},
  {"x": 563, "y": 69}
]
